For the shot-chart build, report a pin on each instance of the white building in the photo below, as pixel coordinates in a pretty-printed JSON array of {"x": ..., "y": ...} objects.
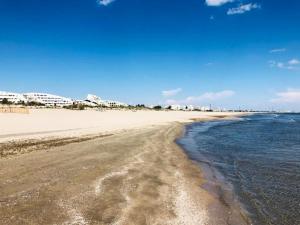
[
  {"x": 205, "y": 108},
  {"x": 12, "y": 97},
  {"x": 55, "y": 100},
  {"x": 105, "y": 103},
  {"x": 86, "y": 103},
  {"x": 190, "y": 108},
  {"x": 176, "y": 107},
  {"x": 48, "y": 99},
  {"x": 114, "y": 104},
  {"x": 96, "y": 100}
]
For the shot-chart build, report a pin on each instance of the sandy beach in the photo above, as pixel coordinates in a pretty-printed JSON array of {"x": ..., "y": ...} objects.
[
  {"x": 41, "y": 123},
  {"x": 113, "y": 167}
]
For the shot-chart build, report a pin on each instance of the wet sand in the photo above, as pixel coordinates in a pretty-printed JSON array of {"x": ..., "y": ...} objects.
[{"x": 139, "y": 176}]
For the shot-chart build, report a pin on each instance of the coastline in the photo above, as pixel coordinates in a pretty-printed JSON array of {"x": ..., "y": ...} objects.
[
  {"x": 154, "y": 182},
  {"x": 225, "y": 208}
]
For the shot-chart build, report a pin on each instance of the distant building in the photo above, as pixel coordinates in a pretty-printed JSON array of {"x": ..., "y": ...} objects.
[
  {"x": 59, "y": 101},
  {"x": 205, "y": 108},
  {"x": 182, "y": 107},
  {"x": 105, "y": 103},
  {"x": 48, "y": 99},
  {"x": 96, "y": 100},
  {"x": 114, "y": 104},
  {"x": 12, "y": 97},
  {"x": 85, "y": 102},
  {"x": 190, "y": 108},
  {"x": 176, "y": 107}
]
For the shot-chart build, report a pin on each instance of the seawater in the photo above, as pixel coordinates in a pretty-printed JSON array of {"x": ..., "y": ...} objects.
[{"x": 259, "y": 156}]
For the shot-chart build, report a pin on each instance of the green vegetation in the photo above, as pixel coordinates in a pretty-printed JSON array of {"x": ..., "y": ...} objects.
[
  {"x": 75, "y": 107},
  {"x": 5, "y": 101},
  {"x": 81, "y": 107},
  {"x": 33, "y": 104},
  {"x": 157, "y": 107}
]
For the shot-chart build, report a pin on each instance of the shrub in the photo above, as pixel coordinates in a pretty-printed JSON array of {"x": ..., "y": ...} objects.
[
  {"x": 157, "y": 107},
  {"x": 81, "y": 107},
  {"x": 5, "y": 101}
]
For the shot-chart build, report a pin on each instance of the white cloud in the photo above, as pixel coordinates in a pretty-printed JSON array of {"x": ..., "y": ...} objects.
[
  {"x": 170, "y": 93},
  {"x": 294, "y": 62},
  {"x": 280, "y": 65},
  {"x": 211, "y": 96},
  {"x": 206, "y": 97},
  {"x": 243, "y": 8},
  {"x": 290, "y": 65},
  {"x": 217, "y": 2},
  {"x": 277, "y": 50},
  {"x": 105, "y": 2},
  {"x": 289, "y": 96}
]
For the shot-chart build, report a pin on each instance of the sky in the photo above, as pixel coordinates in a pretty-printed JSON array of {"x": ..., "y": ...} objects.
[{"x": 228, "y": 53}]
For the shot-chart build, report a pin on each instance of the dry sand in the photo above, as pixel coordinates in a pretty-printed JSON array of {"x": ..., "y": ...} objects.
[
  {"x": 65, "y": 123},
  {"x": 132, "y": 177}
]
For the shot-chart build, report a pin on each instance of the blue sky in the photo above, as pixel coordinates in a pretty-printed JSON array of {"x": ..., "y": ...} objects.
[{"x": 230, "y": 53}]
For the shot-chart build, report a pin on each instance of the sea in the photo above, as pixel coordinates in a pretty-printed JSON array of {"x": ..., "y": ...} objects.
[{"x": 258, "y": 157}]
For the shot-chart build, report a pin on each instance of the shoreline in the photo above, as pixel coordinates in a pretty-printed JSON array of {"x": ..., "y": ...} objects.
[
  {"x": 226, "y": 203},
  {"x": 149, "y": 183}
]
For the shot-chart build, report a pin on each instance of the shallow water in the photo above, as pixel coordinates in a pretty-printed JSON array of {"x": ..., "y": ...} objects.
[{"x": 259, "y": 156}]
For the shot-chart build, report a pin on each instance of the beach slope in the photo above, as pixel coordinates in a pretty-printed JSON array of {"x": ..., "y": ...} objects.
[{"x": 137, "y": 176}]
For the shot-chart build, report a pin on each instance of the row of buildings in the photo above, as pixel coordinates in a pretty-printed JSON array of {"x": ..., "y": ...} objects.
[
  {"x": 51, "y": 100},
  {"x": 188, "y": 107},
  {"x": 55, "y": 100}
]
